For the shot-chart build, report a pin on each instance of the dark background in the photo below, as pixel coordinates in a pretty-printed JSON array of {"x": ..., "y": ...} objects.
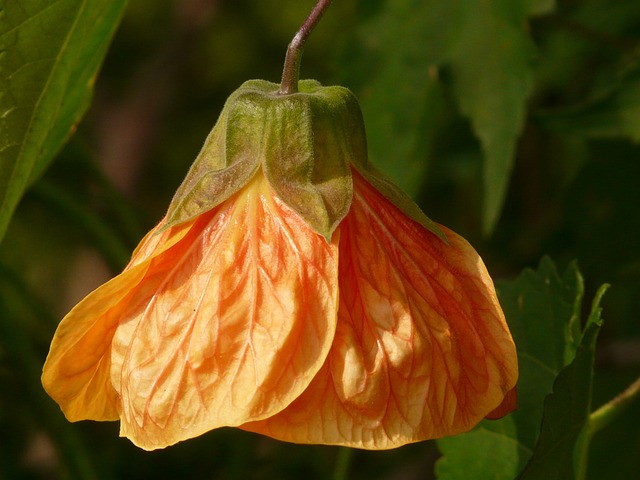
[{"x": 574, "y": 194}]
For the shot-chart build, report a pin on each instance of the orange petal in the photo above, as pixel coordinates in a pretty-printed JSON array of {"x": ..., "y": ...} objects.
[
  {"x": 76, "y": 373},
  {"x": 421, "y": 349},
  {"x": 229, "y": 328},
  {"x": 508, "y": 405}
]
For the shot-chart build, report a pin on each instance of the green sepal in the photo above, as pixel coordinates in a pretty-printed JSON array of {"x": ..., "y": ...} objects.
[
  {"x": 301, "y": 140},
  {"x": 353, "y": 125},
  {"x": 306, "y": 144},
  {"x": 310, "y": 150},
  {"x": 229, "y": 158}
]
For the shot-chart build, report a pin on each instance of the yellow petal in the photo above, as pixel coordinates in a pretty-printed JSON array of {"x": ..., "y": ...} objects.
[
  {"x": 230, "y": 328},
  {"x": 421, "y": 349},
  {"x": 76, "y": 373}
]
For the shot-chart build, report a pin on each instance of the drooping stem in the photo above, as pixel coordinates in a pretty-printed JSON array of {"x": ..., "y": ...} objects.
[
  {"x": 599, "y": 419},
  {"x": 611, "y": 410},
  {"x": 291, "y": 72}
]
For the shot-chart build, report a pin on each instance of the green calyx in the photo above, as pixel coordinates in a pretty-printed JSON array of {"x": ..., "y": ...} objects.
[{"x": 306, "y": 144}]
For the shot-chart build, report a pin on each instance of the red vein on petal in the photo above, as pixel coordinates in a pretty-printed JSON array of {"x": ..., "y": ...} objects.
[
  {"x": 186, "y": 332},
  {"x": 312, "y": 320}
]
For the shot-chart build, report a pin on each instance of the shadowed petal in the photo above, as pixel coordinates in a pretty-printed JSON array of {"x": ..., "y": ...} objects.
[
  {"x": 421, "y": 349},
  {"x": 76, "y": 373},
  {"x": 229, "y": 328},
  {"x": 508, "y": 405}
]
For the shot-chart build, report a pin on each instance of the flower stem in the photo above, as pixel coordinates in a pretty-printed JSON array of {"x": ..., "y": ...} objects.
[
  {"x": 599, "y": 419},
  {"x": 341, "y": 470},
  {"x": 604, "y": 415},
  {"x": 291, "y": 72}
]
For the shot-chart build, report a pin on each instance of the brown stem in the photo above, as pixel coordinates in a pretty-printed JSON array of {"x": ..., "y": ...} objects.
[{"x": 291, "y": 72}]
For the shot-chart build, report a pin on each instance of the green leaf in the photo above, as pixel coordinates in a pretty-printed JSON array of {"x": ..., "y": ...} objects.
[
  {"x": 613, "y": 113},
  {"x": 492, "y": 71},
  {"x": 392, "y": 69},
  {"x": 490, "y": 451},
  {"x": 543, "y": 311},
  {"x": 51, "y": 52},
  {"x": 490, "y": 53},
  {"x": 566, "y": 413}
]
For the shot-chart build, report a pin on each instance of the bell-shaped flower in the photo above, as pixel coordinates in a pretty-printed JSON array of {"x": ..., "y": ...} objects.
[{"x": 290, "y": 291}]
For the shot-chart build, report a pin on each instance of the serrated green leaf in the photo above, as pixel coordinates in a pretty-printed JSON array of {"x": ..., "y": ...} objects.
[
  {"x": 566, "y": 412},
  {"x": 490, "y": 53},
  {"x": 51, "y": 52},
  {"x": 543, "y": 310}
]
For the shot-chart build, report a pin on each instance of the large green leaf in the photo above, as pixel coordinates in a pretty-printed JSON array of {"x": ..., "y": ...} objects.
[
  {"x": 51, "y": 51},
  {"x": 492, "y": 69},
  {"x": 566, "y": 413},
  {"x": 395, "y": 70},
  {"x": 543, "y": 311}
]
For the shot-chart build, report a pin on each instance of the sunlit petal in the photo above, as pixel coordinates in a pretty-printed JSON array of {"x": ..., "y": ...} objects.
[
  {"x": 229, "y": 328},
  {"x": 421, "y": 350},
  {"x": 77, "y": 371}
]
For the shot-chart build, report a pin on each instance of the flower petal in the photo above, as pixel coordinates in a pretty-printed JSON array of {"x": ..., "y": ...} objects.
[
  {"x": 508, "y": 405},
  {"x": 76, "y": 373},
  {"x": 230, "y": 328},
  {"x": 421, "y": 349}
]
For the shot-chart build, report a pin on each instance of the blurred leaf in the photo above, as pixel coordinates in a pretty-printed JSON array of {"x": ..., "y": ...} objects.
[
  {"x": 103, "y": 237},
  {"x": 21, "y": 311},
  {"x": 538, "y": 7},
  {"x": 493, "y": 79},
  {"x": 614, "y": 113},
  {"x": 543, "y": 311},
  {"x": 51, "y": 52},
  {"x": 393, "y": 71},
  {"x": 566, "y": 413}
]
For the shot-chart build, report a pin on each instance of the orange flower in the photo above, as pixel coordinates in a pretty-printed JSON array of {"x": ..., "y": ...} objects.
[
  {"x": 372, "y": 331},
  {"x": 421, "y": 348}
]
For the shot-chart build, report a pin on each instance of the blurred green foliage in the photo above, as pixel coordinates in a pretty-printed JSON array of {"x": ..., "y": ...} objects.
[{"x": 515, "y": 122}]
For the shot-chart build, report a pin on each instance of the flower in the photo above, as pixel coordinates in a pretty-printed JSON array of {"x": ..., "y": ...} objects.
[{"x": 308, "y": 300}]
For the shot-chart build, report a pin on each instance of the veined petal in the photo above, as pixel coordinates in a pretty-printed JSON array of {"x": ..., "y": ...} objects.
[
  {"x": 76, "y": 373},
  {"x": 231, "y": 327},
  {"x": 421, "y": 349}
]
